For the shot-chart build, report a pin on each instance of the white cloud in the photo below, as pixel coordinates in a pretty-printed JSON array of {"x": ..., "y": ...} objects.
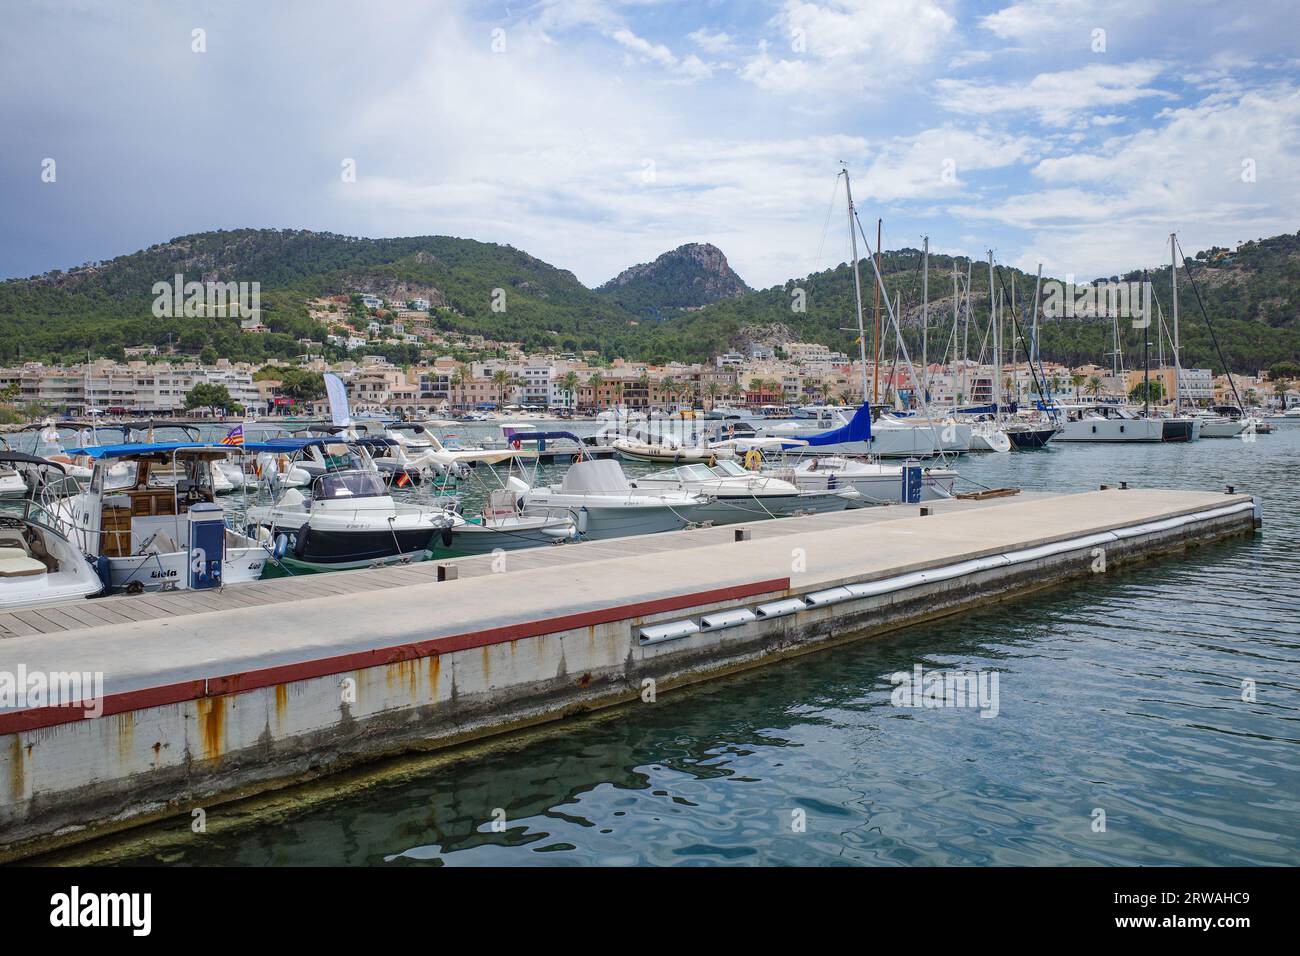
[
  {"x": 839, "y": 44},
  {"x": 935, "y": 163},
  {"x": 1057, "y": 98},
  {"x": 1112, "y": 208},
  {"x": 713, "y": 42}
]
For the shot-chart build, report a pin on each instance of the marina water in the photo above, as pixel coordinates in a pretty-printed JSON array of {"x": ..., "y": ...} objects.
[{"x": 1121, "y": 734}]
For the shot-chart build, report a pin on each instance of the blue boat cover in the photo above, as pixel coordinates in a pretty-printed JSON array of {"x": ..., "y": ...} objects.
[{"x": 858, "y": 429}]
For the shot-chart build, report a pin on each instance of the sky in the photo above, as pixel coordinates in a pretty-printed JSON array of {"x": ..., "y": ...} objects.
[{"x": 595, "y": 134}]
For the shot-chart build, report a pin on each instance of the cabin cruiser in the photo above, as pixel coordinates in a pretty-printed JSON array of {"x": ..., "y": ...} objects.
[
  {"x": 742, "y": 495},
  {"x": 39, "y": 564},
  {"x": 348, "y": 518},
  {"x": 164, "y": 530},
  {"x": 603, "y": 503},
  {"x": 724, "y": 412},
  {"x": 876, "y": 484},
  {"x": 1108, "y": 423}
]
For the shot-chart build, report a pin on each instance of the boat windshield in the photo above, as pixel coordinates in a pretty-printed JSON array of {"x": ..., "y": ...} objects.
[
  {"x": 349, "y": 484},
  {"x": 732, "y": 469}
]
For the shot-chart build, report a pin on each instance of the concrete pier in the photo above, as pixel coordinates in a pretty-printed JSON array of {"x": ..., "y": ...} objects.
[{"x": 210, "y": 697}]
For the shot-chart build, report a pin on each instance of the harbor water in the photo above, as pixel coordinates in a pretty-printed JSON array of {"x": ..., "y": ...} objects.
[{"x": 1147, "y": 716}]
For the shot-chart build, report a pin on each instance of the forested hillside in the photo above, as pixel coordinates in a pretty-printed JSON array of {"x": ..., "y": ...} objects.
[{"x": 649, "y": 312}]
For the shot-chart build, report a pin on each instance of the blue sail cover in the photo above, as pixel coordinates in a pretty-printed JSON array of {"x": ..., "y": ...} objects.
[{"x": 858, "y": 429}]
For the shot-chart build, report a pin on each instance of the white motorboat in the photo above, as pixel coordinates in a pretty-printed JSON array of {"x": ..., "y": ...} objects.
[
  {"x": 165, "y": 529},
  {"x": 502, "y": 525},
  {"x": 875, "y": 483},
  {"x": 603, "y": 504},
  {"x": 667, "y": 453},
  {"x": 742, "y": 495},
  {"x": 348, "y": 519},
  {"x": 12, "y": 484},
  {"x": 1108, "y": 423},
  {"x": 39, "y": 564}
]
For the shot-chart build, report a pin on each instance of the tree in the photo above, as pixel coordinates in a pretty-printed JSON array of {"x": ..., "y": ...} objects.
[
  {"x": 1076, "y": 379},
  {"x": 458, "y": 380},
  {"x": 500, "y": 379},
  {"x": 569, "y": 383},
  {"x": 208, "y": 396},
  {"x": 1095, "y": 386},
  {"x": 1147, "y": 391},
  {"x": 208, "y": 356}
]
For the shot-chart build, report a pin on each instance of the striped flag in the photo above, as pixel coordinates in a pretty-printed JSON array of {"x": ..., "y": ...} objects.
[
  {"x": 403, "y": 479},
  {"x": 235, "y": 437}
]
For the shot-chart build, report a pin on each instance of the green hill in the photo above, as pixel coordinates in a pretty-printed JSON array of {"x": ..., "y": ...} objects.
[
  {"x": 701, "y": 306},
  {"x": 101, "y": 307},
  {"x": 686, "y": 278},
  {"x": 1252, "y": 297}
]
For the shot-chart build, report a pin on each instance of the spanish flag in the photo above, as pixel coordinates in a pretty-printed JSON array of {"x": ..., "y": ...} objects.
[
  {"x": 403, "y": 479},
  {"x": 235, "y": 437}
]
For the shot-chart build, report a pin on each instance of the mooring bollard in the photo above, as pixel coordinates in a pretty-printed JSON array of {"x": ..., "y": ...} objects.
[
  {"x": 1123, "y": 486},
  {"x": 742, "y": 534},
  {"x": 1105, "y": 487},
  {"x": 1230, "y": 489},
  {"x": 448, "y": 572},
  {"x": 924, "y": 512}
]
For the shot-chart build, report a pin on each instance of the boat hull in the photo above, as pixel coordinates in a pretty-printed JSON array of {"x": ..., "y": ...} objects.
[
  {"x": 737, "y": 508},
  {"x": 1031, "y": 438}
]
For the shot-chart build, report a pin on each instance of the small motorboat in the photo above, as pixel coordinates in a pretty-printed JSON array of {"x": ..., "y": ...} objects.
[
  {"x": 597, "y": 495},
  {"x": 164, "y": 530},
  {"x": 742, "y": 495},
  {"x": 348, "y": 518},
  {"x": 39, "y": 564},
  {"x": 876, "y": 484}
]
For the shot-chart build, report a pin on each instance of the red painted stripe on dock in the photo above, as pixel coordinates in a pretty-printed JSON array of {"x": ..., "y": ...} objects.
[{"x": 39, "y": 717}]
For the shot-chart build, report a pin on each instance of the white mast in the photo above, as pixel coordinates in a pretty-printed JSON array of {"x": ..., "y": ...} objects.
[
  {"x": 1178, "y": 360},
  {"x": 925, "y": 322},
  {"x": 997, "y": 354},
  {"x": 857, "y": 286}
]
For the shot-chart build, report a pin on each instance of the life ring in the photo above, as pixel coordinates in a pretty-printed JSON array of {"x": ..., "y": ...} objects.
[{"x": 753, "y": 459}]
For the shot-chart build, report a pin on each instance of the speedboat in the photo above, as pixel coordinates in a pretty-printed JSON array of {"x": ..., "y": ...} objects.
[
  {"x": 876, "y": 484},
  {"x": 603, "y": 503},
  {"x": 742, "y": 495},
  {"x": 348, "y": 518},
  {"x": 39, "y": 564},
  {"x": 164, "y": 530},
  {"x": 503, "y": 525}
]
